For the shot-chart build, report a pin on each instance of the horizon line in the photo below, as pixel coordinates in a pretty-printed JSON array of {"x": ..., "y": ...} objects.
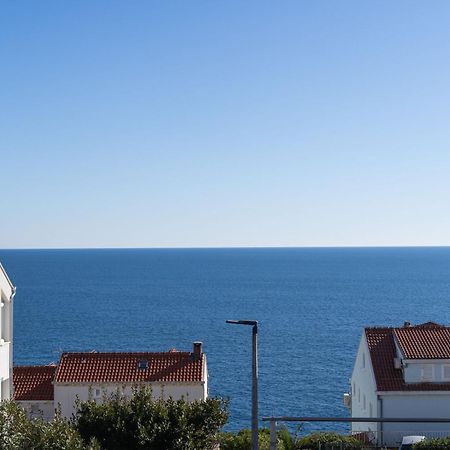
[{"x": 243, "y": 247}]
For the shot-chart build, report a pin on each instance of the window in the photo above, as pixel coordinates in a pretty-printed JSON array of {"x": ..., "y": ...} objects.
[
  {"x": 143, "y": 364},
  {"x": 446, "y": 372},
  {"x": 5, "y": 312},
  {"x": 354, "y": 389},
  {"x": 364, "y": 401},
  {"x": 427, "y": 372},
  {"x": 370, "y": 410},
  {"x": 363, "y": 360},
  {"x": 96, "y": 394},
  {"x": 359, "y": 394}
]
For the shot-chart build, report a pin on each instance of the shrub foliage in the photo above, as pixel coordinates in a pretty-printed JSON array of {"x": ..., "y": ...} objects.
[
  {"x": 141, "y": 422},
  {"x": 119, "y": 423},
  {"x": 18, "y": 432},
  {"x": 316, "y": 441},
  {"x": 242, "y": 440},
  {"x": 433, "y": 444}
]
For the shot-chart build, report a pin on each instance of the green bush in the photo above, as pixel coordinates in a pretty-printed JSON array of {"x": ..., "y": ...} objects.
[
  {"x": 141, "y": 422},
  {"x": 316, "y": 441},
  {"x": 118, "y": 424},
  {"x": 243, "y": 440},
  {"x": 433, "y": 444},
  {"x": 19, "y": 432}
]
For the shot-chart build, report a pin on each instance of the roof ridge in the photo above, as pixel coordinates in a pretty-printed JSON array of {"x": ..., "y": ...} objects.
[
  {"x": 36, "y": 366},
  {"x": 97, "y": 353},
  {"x": 426, "y": 325}
]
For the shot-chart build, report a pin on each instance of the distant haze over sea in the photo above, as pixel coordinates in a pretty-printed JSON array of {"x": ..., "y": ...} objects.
[{"x": 312, "y": 304}]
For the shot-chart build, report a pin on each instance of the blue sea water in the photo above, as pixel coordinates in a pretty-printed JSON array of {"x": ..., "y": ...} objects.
[{"x": 312, "y": 305}]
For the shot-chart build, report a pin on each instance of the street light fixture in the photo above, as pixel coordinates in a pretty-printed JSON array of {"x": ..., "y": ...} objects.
[{"x": 254, "y": 324}]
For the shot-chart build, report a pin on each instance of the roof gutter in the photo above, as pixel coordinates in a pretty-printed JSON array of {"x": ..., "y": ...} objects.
[{"x": 380, "y": 400}]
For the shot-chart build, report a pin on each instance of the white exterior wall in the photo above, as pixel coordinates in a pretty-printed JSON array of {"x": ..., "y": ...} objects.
[
  {"x": 205, "y": 378},
  {"x": 415, "y": 404},
  {"x": 4, "y": 360},
  {"x": 6, "y": 331},
  {"x": 413, "y": 370},
  {"x": 364, "y": 400},
  {"x": 38, "y": 408},
  {"x": 66, "y": 394}
]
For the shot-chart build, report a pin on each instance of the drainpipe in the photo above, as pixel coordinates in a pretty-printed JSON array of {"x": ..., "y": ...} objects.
[
  {"x": 380, "y": 401},
  {"x": 11, "y": 370}
]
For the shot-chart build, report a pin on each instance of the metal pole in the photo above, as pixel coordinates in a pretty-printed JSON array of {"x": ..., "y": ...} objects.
[
  {"x": 254, "y": 324},
  {"x": 273, "y": 435},
  {"x": 255, "y": 444}
]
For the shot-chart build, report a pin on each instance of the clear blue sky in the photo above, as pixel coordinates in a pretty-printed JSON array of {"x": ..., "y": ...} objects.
[{"x": 221, "y": 123}]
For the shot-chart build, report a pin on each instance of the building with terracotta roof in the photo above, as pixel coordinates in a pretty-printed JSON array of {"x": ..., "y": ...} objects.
[
  {"x": 92, "y": 375},
  {"x": 7, "y": 292},
  {"x": 33, "y": 390},
  {"x": 402, "y": 372}
]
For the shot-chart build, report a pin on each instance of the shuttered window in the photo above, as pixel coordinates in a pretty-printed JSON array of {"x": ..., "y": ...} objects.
[
  {"x": 427, "y": 372},
  {"x": 446, "y": 372}
]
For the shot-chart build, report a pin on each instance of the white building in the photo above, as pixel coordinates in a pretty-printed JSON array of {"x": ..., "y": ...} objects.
[
  {"x": 91, "y": 375},
  {"x": 402, "y": 373},
  {"x": 7, "y": 292}
]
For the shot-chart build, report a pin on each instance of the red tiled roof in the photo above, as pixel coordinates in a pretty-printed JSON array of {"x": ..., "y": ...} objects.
[
  {"x": 424, "y": 342},
  {"x": 124, "y": 367},
  {"x": 33, "y": 382},
  {"x": 382, "y": 353}
]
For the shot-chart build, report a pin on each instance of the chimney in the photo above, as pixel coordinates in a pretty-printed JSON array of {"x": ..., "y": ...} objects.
[
  {"x": 197, "y": 352},
  {"x": 406, "y": 324}
]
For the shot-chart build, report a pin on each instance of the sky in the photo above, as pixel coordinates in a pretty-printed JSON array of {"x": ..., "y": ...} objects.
[{"x": 224, "y": 123}]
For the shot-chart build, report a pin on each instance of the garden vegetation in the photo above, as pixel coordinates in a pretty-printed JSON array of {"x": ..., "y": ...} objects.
[{"x": 141, "y": 422}]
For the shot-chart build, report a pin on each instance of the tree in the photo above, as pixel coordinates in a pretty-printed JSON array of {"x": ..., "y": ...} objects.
[{"x": 141, "y": 422}]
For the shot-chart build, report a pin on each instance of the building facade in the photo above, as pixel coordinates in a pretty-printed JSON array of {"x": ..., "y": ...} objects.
[
  {"x": 402, "y": 372},
  {"x": 7, "y": 292},
  {"x": 93, "y": 375}
]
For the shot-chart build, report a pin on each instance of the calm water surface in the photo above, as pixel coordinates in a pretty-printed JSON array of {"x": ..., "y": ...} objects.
[{"x": 311, "y": 303}]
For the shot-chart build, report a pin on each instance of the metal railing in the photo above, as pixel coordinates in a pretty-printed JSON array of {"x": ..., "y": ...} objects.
[{"x": 374, "y": 438}]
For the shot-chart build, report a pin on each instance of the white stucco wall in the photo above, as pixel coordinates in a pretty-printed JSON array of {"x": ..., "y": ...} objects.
[
  {"x": 410, "y": 405},
  {"x": 4, "y": 361},
  {"x": 205, "y": 378},
  {"x": 6, "y": 325},
  {"x": 5, "y": 283},
  {"x": 363, "y": 389},
  {"x": 38, "y": 408},
  {"x": 66, "y": 395}
]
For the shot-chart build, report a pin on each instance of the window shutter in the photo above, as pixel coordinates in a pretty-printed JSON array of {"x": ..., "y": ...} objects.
[{"x": 427, "y": 372}]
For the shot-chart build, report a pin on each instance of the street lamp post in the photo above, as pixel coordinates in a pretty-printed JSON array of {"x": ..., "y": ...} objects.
[{"x": 254, "y": 324}]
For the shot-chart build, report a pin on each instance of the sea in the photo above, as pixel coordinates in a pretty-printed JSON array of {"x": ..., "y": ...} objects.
[{"x": 311, "y": 304}]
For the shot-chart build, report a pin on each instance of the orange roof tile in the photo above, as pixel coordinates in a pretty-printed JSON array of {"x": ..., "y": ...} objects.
[
  {"x": 124, "y": 367},
  {"x": 424, "y": 342},
  {"x": 33, "y": 382},
  {"x": 415, "y": 339}
]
